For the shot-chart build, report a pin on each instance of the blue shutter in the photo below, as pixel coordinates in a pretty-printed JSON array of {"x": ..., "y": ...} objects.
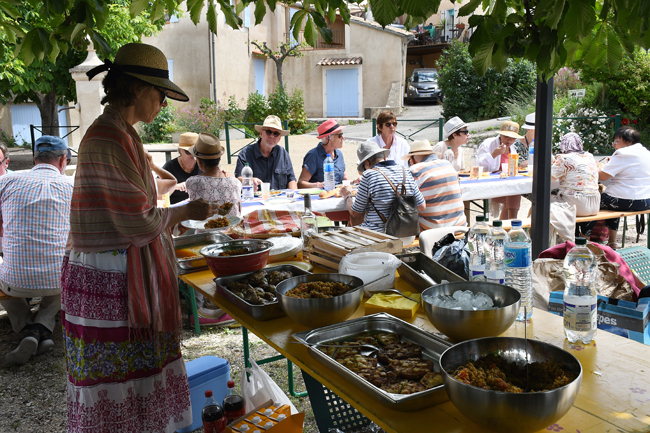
[
  {"x": 259, "y": 76},
  {"x": 342, "y": 92},
  {"x": 24, "y": 115}
]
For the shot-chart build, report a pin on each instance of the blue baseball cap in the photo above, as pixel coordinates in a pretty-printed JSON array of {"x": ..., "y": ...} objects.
[{"x": 47, "y": 143}]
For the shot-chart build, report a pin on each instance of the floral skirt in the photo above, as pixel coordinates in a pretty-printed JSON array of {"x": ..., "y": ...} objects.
[{"x": 119, "y": 379}]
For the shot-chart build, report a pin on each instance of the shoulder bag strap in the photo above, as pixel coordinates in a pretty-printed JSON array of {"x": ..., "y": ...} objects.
[{"x": 383, "y": 218}]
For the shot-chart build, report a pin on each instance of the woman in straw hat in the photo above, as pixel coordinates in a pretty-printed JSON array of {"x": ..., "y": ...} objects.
[
  {"x": 492, "y": 153},
  {"x": 183, "y": 166},
  {"x": 120, "y": 303}
]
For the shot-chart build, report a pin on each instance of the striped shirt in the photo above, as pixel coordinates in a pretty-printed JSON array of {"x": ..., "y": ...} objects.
[
  {"x": 35, "y": 213},
  {"x": 439, "y": 185},
  {"x": 374, "y": 185}
]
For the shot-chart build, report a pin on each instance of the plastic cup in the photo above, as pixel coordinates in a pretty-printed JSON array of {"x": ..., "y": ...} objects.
[
  {"x": 266, "y": 190},
  {"x": 345, "y": 183},
  {"x": 476, "y": 172},
  {"x": 504, "y": 169},
  {"x": 290, "y": 194}
]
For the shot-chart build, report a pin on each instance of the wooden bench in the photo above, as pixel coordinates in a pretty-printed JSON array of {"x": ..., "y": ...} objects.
[{"x": 4, "y": 296}]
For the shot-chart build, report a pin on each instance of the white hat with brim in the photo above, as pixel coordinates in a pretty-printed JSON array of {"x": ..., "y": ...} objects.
[
  {"x": 272, "y": 122},
  {"x": 207, "y": 147},
  {"x": 453, "y": 125},
  {"x": 419, "y": 147},
  {"x": 367, "y": 150},
  {"x": 510, "y": 129},
  {"x": 530, "y": 122}
]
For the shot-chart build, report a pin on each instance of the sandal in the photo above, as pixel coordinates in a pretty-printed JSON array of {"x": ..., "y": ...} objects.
[{"x": 612, "y": 245}]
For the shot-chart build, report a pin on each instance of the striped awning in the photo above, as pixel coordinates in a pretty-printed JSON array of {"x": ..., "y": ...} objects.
[{"x": 332, "y": 61}]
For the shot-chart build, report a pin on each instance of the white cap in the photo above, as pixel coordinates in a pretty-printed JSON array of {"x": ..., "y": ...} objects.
[{"x": 530, "y": 122}]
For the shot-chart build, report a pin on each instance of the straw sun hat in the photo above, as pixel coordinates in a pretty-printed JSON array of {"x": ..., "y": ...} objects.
[
  {"x": 207, "y": 147},
  {"x": 419, "y": 147},
  {"x": 510, "y": 129},
  {"x": 272, "y": 122},
  {"x": 146, "y": 63},
  {"x": 187, "y": 140}
]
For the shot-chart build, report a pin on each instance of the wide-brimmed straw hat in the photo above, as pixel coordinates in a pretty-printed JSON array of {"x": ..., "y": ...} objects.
[
  {"x": 368, "y": 149},
  {"x": 146, "y": 63},
  {"x": 329, "y": 127},
  {"x": 419, "y": 147},
  {"x": 510, "y": 129},
  {"x": 187, "y": 140},
  {"x": 453, "y": 125},
  {"x": 530, "y": 122},
  {"x": 207, "y": 147},
  {"x": 272, "y": 122}
]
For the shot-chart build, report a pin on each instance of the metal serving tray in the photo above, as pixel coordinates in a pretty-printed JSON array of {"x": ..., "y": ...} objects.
[
  {"x": 414, "y": 262},
  {"x": 257, "y": 312},
  {"x": 432, "y": 348},
  {"x": 188, "y": 265}
]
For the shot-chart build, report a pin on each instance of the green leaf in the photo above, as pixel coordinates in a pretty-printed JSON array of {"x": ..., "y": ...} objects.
[
  {"x": 543, "y": 8},
  {"x": 614, "y": 51},
  {"x": 579, "y": 18},
  {"x": 555, "y": 15},
  {"x": 9, "y": 10},
  {"x": 157, "y": 10},
  {"x": 44, "y": 38},
  {"x": 260, "y": 11},
  {"x": 500, "y": 59},
  {"x": 101, "y": 44},
  {"x": 500, "y": 10},
  {"x": 271, "y": 4},
  {"x": 101, "y": 17},
  {"x": 231, "y": 18},
  {"x": 331, "y": 14},
  {"x": 137, "y": 6},
  {"x": 384, "y": 11},
  {"x": 194, "y": 7},
  {"x": 319, "y": 20},
  {"x": 11, "y": 36},
  {"x": 604, "y": 11},
  {"x": 345, "y": 12},
  {"x": 296, "y": 23},
  {"x": 75, "y": 33},
  {"x": 419, "y": 8},
  {"x": 469, "y": 8},
  {"x": 212, "y": 17},
  {"x": 311, "y": 35},
  {"x": 54, "y": 52},
  {"x": 597, "y": 54},
  {"x": 514, "y": 18},
  {"x": 481, "y": 45}
]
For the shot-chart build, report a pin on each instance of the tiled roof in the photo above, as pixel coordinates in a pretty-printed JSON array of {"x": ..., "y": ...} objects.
[{"x": 329, "y": 61}]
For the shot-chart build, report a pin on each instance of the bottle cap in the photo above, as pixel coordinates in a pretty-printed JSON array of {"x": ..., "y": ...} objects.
[
  {"x": 231, "y": 384},
  {"x": 256, "y": 419},
  {"x": 269, "y": 424},
  {"x": 208, "y": 393},
  {"x": 268, "y": 412},
  {"x": 307, "y": 201},
  {"x": 244, "y": 427},
  {"x": 516, "y": 223},
  {"x": 581, "y": 241},
  {"x": 497, "y": 223},
  {"x": 480, "y": 218},
  {"x": 281, "y": 417}
]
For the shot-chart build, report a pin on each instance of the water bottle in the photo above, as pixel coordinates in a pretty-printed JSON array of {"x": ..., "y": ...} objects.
[
  {"x": 247, "y": 184},
  {"x": 519, "y": 265},
  {"x": 477, "y": 238},
  {"x": 580, "y": 300},
  {"x": 212, "y": 415},
  {"x": 531, "y": 156},
  {"x": 449, "y": 155},
  {"x": 328, "y": 172},
  {"x": 495, "y": 267}
]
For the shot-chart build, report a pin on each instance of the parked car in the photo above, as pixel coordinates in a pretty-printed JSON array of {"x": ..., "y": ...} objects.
[{"x": 423, "y": 85}]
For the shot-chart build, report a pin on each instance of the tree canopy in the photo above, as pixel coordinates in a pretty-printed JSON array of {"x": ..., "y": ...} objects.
[{"x": 548, "y": 32}]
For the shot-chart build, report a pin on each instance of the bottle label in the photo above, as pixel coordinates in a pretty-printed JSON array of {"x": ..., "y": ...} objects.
[
  {"x": 477, "y": 275},
  {"x": 218, "y": 426},
  {"x": 580, "y": 318},
  {"x": 517, "y": 257},
  {"x": 495, "y": 280}
]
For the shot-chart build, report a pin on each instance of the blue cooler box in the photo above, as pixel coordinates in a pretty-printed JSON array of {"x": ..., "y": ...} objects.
[{"x": 208, "y": 372}]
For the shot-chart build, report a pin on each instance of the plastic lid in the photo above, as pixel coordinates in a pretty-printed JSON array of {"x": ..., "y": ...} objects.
[
  {"x": 256, "y": 419},
  {"x": 208, "y": 393},
  {"x": 281, "y": 417},
  {"x": 448, "y": 147},
  {"x": 581, "y": 241},
  {"x": 269, "y": 424},
  {"x": 480, "y": 218},
  {"x": 231, "y": 384},
  {"x": 516, "y": 223},
  {"x": 497, "y": 223},
  {"x": 243, "y": 427},
  {"x": 268, "y": 412}
]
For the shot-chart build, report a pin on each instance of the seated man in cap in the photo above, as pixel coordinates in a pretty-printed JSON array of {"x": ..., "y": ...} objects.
[
  {"x": 35, "y": 214},
  {"x": 312, "y": 175},
  {"x": 270, "y": 162},
  {"x": 438, "y": 183},
  {"x": 492, "y": 153},
  {"x": 457, "y": 134}
]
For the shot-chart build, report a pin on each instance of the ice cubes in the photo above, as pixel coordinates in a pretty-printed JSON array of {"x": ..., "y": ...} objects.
[{"x": 462, "y": 300}]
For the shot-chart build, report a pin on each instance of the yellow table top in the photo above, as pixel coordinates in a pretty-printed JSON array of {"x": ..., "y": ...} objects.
[{"x": 614, "y": 395}]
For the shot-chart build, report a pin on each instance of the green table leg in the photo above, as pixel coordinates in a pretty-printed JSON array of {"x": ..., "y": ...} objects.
[
  {"x": 624, "y": 230},
  {"x": 292, "y": 390},
  {"x": 190, "y": 299}
]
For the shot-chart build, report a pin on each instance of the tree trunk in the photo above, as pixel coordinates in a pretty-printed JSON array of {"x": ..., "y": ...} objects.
[
  {"x": 278, "y": 70},
  {"x": 49, "y": 115}
]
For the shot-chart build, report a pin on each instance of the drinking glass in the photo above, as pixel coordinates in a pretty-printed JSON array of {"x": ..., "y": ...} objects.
[{"x": 266, "y": 190}]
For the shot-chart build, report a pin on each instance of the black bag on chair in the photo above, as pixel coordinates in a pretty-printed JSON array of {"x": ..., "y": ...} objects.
[{"x": 403, "y": 218}]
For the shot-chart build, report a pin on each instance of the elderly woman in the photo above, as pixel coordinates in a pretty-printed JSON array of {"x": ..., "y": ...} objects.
[
  {"x": 387, "y": 139},
  {"x": 331, "y": 135},
  {"x": 628, "y": 172},
  {"x": 182, "y": 167},
  {"x": 375, "y": 195},
  {"x": 457, "y": 134},
  {"x": 120, "y": 309},
  {"x": 577, "y": 172}
]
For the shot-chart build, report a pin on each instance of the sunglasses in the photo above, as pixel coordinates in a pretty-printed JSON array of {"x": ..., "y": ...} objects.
[
  {"x": 339, "y": 135},
  {"x": 68, "y": 161},
  {"x": 272, "y": 133},
  {"x": 389, "y": 124},
  {"x": 185, "y": 152},
  {"x": 163, "y": 96},
  {"x": 466, "y": 132}
]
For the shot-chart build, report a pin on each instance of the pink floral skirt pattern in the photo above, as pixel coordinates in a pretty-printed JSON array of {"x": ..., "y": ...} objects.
[{"x": 119, "y": 380}]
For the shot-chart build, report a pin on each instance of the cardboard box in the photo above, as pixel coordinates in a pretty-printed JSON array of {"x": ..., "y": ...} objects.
[
  {"x": 208, "y": 372},
  {"x": 623, "y": 318}
]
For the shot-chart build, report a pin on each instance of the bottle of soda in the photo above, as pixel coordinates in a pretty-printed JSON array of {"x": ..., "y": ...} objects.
[
  {"x": 328, "y": 173},
  {"x": 212, "y": 415},
  {"x": 580, "y": 299},
  {"x": 233, "y": 404},
  {"x": 247, "y": 184}
]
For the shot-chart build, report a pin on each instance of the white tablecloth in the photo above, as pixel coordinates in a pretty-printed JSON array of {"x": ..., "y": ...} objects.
[{"x": 495, "y": 187}]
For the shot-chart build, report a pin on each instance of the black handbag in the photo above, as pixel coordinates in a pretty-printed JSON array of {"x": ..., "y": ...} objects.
[{"x": 403, "y": 218}]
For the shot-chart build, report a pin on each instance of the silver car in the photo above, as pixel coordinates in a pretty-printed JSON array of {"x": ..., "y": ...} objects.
[{"x": 422, "y": 85}]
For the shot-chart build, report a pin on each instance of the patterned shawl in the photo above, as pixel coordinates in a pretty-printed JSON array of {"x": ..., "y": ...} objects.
[{"x": 114, "y": 207}]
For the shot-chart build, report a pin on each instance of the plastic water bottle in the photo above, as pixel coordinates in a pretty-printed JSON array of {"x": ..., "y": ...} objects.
[
  {"x": 247, "y": 184},
  {"x": 580, "y": 300},
  {"x": 531, "y": 156},
  {"x": 212, "y": 415},
  {"x": 449, "y": 155},
  {"x": 519, "y": 265},
  {"x": 477, "y": 238},
  {"x": 328, "y": 171},
  {"x": 495, "y": 267}
]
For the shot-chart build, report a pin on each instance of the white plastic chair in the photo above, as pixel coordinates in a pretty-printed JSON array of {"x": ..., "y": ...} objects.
[{"x": 431, "y": 236}]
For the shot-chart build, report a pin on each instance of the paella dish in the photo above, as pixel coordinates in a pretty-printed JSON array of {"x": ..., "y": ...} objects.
[
  {"x": 397, "y": 368},
  {"x": 495, "y": 373},
  {"x": 258, "y": 288},
  {"x": 318, "y": 289},
  {"x": 235, "y": 252},
  {"x": 217, "y": 223}
]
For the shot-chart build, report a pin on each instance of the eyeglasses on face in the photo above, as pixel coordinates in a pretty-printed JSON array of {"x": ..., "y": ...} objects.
[
  {"x": 68, "y": 161},
  {"x": 163, "y": 96},
  {"x": 339, "y": 135},
  {"x": 389, "y": 124},
  {"x": 465, "y": 131},
  {"x": 272, "y": 133},
  {"x": 185, "y": 152}
]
